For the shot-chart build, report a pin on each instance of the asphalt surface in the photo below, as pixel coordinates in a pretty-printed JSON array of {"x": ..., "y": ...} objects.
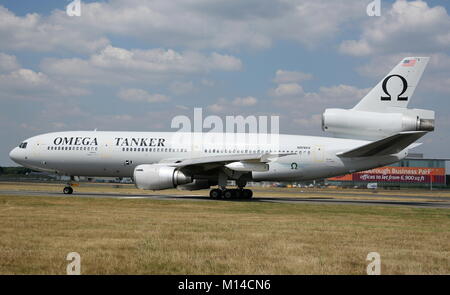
[{"x": 306, "y": 198}]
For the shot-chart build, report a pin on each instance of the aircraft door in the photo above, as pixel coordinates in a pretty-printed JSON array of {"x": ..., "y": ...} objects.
[{"x": 318, "y": 153}]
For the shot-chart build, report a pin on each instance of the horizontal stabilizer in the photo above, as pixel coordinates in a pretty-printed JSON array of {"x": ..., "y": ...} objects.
[{"x": 386, "y": 146}]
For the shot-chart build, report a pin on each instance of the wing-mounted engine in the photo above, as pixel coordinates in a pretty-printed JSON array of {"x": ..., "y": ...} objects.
[
  {"x": 375, "y": 125},
  {"x": 158, "y": 177}
]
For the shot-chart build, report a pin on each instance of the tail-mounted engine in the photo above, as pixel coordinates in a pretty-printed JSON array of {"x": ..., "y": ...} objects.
[{"x": 375, "y": 125}]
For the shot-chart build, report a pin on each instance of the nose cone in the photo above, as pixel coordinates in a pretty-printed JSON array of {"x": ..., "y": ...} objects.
[{"x": 13, "y": 155}]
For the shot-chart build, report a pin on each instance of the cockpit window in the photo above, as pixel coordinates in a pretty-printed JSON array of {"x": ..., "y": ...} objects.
[{"x": 23, "y": 145}]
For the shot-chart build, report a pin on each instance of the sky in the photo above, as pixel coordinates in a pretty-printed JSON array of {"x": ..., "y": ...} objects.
[{"x": 134, "y": 65}]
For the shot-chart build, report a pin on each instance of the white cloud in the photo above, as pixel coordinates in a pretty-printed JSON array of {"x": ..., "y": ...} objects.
[
  {"x": 216, "y": 108},
  {"x": 37, "y": 33},
  {"x": 407, "y": 26},
  {"x": 208, "y": 83},
  {"x": 356, "y": 48},
  {"x": 114, "y": 64},
  {"x": 339, "y": 95},
  {"x": 180, "y": 88},
  {"x": 221, "y": 24},
  {"x": 232, "y": 106},
  {"x": 282, "y": 76},
  {"x": 161, "y": 60},
  {"x": 8, "y": 63},
  {"x": 140, "y": 95},
  {"x": 287, "y": 89},
  {"x": 23, "y": 77},
  {"x": 224, "y": 62},
  {"x": 245, "y": 101},
  {"x": 30, "y": 85}
]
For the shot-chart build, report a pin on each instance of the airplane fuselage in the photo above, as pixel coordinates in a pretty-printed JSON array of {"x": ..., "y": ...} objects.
[{"x": 116, "y": 154}]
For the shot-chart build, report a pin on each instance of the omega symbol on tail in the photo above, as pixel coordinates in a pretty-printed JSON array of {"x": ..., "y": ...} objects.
[{"x": 399, "y": 97}]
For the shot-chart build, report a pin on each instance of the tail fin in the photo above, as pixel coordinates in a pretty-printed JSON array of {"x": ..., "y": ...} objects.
[{"x": 396, "y": 89}]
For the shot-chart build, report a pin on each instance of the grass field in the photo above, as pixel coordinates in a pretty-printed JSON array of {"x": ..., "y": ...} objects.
[{"x": 141, "y": 236}]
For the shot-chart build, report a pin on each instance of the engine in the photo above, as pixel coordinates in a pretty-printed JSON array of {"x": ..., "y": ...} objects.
[
  {"x": 158, "y": 177},
  {"x": 374, "y": 125}
]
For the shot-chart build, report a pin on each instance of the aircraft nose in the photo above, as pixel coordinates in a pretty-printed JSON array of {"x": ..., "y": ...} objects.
[{"x": 13, "y": 155}]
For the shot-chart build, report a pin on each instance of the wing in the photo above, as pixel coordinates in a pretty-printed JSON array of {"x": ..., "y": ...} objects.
[
  {"x": 211, "y": 162},
  {"x": 386, "y": 146}
]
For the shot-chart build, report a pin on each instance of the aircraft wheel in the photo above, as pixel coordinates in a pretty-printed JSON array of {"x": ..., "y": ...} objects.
[
  {"x": 247, "y": 194},
  {"x": 228, "y": 194},
  {"x": 215, "y": 193},
  {"x": 68, "y": 190}
]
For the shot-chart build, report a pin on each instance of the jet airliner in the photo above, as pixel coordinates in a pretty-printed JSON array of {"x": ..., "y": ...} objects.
[{"x": 377, "y": 131}]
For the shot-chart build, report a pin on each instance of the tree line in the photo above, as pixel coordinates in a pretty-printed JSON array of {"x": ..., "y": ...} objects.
[{"x": 14, "y": 170}]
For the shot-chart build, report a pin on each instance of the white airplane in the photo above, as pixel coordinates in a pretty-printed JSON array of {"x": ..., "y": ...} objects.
[{"x": 378, "y": 131}]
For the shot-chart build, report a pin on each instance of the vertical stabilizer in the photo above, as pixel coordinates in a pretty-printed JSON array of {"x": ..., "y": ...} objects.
[{"x": 395, "y": 90}]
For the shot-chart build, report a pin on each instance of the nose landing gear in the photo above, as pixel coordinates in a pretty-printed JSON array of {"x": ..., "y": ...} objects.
[{"x": 68, "y": 190}]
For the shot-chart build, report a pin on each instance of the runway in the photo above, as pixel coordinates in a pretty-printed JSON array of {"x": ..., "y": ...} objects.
[{"x": 306, "y": 198}]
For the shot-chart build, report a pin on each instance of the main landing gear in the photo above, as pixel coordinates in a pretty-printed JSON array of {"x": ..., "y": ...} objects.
[{"x": 239, "y": 193}]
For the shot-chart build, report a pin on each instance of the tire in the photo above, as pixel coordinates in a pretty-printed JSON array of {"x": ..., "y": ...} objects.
[
  {"x": 248, "y": 194},
  {"x": 68, "y": 190},
  {"x": 228, "y": 194},
  {"x": 215, "y": 194}
]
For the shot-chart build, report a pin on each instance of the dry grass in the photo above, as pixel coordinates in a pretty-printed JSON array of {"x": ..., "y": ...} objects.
[{"x": 140, "y": 236}]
